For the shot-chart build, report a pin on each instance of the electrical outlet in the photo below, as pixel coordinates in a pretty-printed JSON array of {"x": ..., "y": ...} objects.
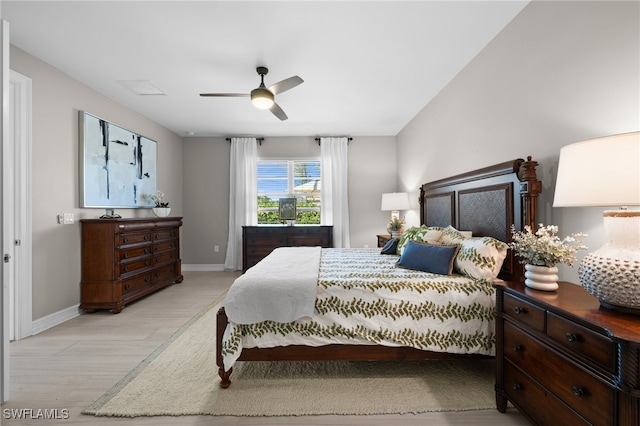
[
  {"x": 61, "y": 219},
  {"x": 68, "y": 219},
  {"x": 216, "y": 249}
]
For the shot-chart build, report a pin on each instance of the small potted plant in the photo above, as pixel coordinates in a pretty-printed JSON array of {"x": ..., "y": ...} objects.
[
  {"x": 161, "y": 207},
  {"x": 541, "y": 251},
  {"x": 395, "y": 226}
]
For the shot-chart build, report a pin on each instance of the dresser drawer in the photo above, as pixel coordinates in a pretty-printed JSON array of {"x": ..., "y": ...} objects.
[
  {"x": 165, "y": 246},
  {"x": 586, "y": 394},
  {"x": 135, "y": 284},
  {"x": 524, "y": 312},
  {"x": 530, "y": 397},
  {"x": 169, "y": 256},
  {"x": 262, "y": 241},
  {"x": 581, "y": 340},
  {"x": 129, "y": 268},
  {"x": 165, "y": 273},
  {"x": 165, "y": 234},
  {"x": 308, "y": 240},
  {"x": 134, "y": 238},
  {"x": 134, "y": 252}
]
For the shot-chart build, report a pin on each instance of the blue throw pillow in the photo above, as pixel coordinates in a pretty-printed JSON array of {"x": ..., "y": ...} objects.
[
  {"x": 390, "y": 247},
  {"x": 428, "y": 258}
]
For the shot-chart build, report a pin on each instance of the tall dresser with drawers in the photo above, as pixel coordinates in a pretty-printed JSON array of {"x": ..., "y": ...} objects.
[
  {"x": 562, "y": 359},
  {"x": 259, "y": 241},
  {"x": 126, "y": 259}
]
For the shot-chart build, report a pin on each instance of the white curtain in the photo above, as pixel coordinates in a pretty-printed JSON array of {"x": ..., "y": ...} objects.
[
  {"x": 334, "y": 206},
  {"x": 243, "y": 196}
]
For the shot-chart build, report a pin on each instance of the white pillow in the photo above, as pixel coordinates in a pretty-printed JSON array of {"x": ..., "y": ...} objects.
[{"x": 480, "y": 257}]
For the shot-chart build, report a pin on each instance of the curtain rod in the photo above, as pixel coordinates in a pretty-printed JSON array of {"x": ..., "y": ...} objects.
[
  {"x": 258, "y": 139},
  {"x": 348, "y": 139}
]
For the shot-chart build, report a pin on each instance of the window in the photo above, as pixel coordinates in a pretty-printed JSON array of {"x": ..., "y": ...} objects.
[{"x": 299, "y": 179}]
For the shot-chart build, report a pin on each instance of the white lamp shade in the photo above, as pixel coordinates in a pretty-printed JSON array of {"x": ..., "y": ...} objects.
[
  {"x": 600, "y": 172},
  {"x": 395, "y": 201}
]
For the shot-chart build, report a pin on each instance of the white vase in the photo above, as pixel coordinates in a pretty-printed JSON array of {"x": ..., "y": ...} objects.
[
  {"x": 161, "y": 211},
  {"x": 541, "y": 277}
]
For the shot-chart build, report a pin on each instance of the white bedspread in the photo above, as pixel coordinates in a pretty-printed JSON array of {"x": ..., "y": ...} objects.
[{"x": 282, "y": 287}]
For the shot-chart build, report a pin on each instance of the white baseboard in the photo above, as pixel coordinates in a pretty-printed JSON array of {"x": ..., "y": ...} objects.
[
  {"x": 56, "y": 318},
  {"x": 199, "y": 267}
]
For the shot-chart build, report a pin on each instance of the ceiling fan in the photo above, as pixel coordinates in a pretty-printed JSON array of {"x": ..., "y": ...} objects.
[{"x": 263, "y": 97}]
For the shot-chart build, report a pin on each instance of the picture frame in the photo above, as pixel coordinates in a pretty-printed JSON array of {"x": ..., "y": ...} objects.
[
  {"x": 287, "y": 209},
  {"x": 117, "y": 166}
]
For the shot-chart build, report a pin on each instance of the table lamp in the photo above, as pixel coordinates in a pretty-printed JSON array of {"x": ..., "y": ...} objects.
[
  {"x": 606, "y": 172},
  {"x": 395, "y": 201}
]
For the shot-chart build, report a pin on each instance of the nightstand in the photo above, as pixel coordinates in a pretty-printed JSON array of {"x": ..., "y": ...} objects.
[
  {"x": 382, "y": 239},
  {"x": 563, "y": 359}
]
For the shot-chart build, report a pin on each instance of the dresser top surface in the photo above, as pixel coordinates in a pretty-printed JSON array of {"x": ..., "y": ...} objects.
[{"x": 576, "y": 301}]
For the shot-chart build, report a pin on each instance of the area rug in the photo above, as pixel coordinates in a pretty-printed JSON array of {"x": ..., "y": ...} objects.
[{"x": 180, "y": 378}]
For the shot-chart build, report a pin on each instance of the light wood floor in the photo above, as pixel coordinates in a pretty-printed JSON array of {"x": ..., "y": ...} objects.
[{"x": 71, "y": 365}]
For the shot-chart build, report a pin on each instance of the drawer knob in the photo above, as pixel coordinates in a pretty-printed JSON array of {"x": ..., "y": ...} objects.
[
  {"x": 146, "y": 238},
  {"x": 126, "y": 269},
  {"x": 125, "y": 240},
  {"x": 517, "y": 348},
  {"x": 517, "y": 386},
  {"x": 578, "y": 391},
  {"x": 519, "y": 310},
  {"x": 127, "y": 286},
  {"x": 126, "y": 255},
  {"x": 571, "y": 338}
]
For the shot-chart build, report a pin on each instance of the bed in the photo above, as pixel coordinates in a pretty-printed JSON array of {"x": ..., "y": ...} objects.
[{"x": 486, "y": 202}]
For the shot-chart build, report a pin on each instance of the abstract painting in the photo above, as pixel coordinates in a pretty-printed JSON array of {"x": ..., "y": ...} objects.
[{"x": 118, "y": 166}]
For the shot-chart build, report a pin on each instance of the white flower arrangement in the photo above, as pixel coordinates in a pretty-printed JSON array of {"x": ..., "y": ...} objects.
[
  {"x": 395, "y": 224},
  {"x": 545, "y": 248},
  {"x": 158, "y": 198}
]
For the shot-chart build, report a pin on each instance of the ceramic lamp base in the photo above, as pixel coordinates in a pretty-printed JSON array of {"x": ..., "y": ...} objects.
[{"x": 612, "y": 273}]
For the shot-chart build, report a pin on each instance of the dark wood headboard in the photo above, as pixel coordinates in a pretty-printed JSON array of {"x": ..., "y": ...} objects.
[{"x": 487, "y": 202}]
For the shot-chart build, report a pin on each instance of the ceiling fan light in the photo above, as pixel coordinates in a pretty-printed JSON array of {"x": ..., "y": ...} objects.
[{"x": 262, "y": 98}]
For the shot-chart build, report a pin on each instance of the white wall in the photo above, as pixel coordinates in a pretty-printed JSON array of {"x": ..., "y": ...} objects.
[
  {"x": 559, "y": 73},
  {"x": 57, "y": 98}
]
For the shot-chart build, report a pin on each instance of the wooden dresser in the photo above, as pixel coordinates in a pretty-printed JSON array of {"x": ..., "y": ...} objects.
[
  {"x": 259, "y": 241},
  {"x": 564, "y": 360},
  {"x": 125, "y": 259}
]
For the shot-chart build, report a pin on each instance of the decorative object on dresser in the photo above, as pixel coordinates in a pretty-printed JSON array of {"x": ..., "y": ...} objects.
[
  {"x": 541, "y": 251},
  {"x": 126, "y": 259},
  {"x": 394, "y": 202},
  {"x": 606, "y": 172},
  {"x": 562, "y": 359},
  {"x": 259, "y": 241},
  {"x": 161, "y": 206}
]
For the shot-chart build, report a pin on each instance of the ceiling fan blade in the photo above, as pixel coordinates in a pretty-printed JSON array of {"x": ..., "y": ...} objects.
[
  {"x": 278, "y": 112},
  {"x": 286, "y": 84},
  {"x": 226, "y": 95}
]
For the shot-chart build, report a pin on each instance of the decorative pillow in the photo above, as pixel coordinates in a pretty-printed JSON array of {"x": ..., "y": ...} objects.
[
  {"x": 390, "y": 247},
  {"x": 451, "y": 235},
  {"x": 426, "y": 234},
  {"x": 480, "y": 257},
  {"x": 428, "y": 258}
]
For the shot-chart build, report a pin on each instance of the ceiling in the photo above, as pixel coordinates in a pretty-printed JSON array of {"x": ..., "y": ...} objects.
[{"x": 368, "y": 66}]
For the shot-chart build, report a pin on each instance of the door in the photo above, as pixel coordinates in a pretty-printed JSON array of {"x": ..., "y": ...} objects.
[{"x": 17, "y": 209}]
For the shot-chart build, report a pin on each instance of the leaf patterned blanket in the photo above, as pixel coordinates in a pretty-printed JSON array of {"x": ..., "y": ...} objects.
[{"x": 364, "y": 298}]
